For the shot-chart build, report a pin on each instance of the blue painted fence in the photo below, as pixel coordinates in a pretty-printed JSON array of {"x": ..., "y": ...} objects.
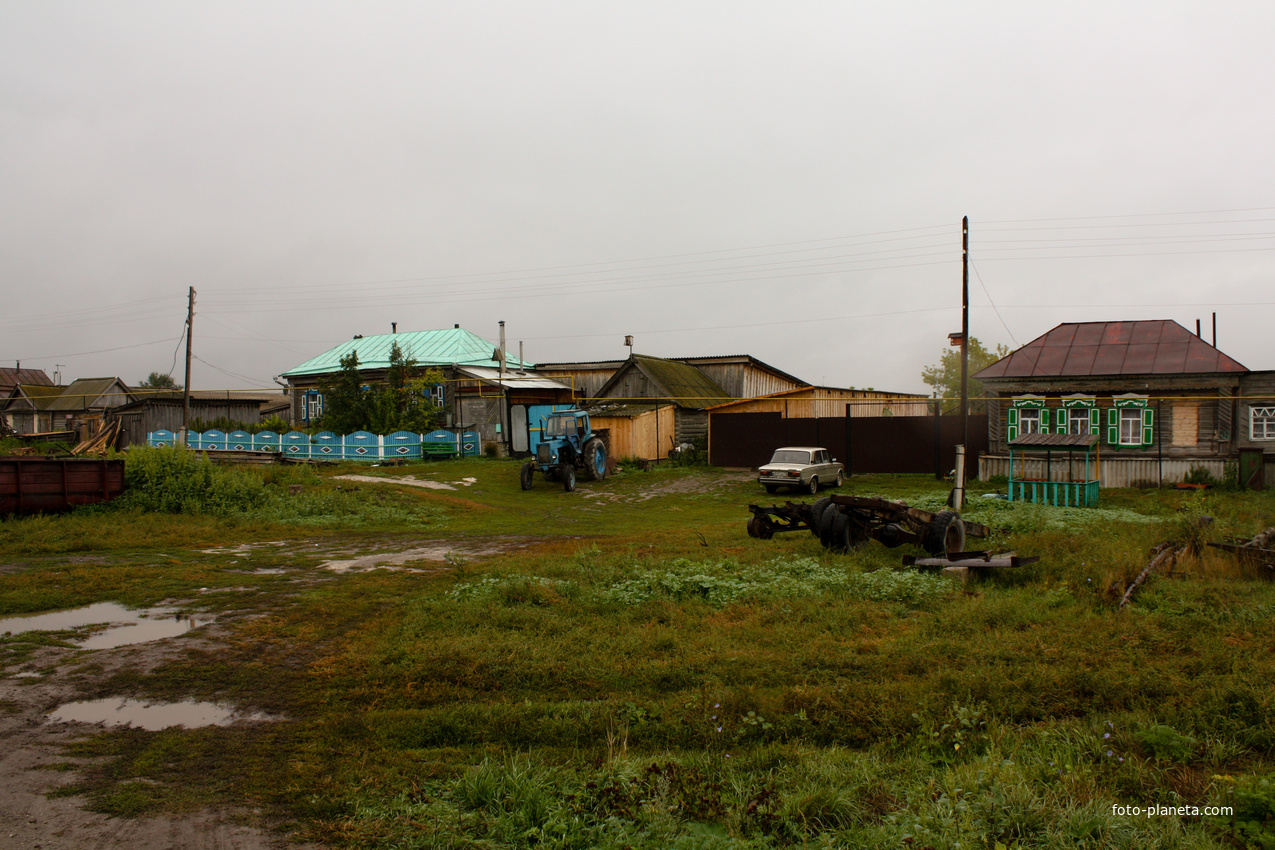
[{"x": 361, "y": 445}]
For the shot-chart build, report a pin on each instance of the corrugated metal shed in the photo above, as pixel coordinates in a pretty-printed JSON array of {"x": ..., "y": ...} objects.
[
  {"x": 1159, "y": 347},
  {"x": 429, "y": 348}
]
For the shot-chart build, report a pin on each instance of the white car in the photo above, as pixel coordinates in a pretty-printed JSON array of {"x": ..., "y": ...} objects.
[{"x": 801, "y": 467}]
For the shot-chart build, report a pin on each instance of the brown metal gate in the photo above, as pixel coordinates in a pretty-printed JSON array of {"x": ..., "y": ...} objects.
[{"x": 877, "y": 444}]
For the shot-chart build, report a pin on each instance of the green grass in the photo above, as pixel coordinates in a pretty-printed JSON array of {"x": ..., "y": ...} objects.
[{"x": 638, "y": 672}]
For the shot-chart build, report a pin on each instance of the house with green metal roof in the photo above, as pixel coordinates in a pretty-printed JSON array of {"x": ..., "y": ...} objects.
[{"x": 475, "y": 393}]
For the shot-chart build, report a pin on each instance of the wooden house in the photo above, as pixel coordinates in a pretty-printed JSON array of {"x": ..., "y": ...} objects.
[
  {"x": 163, "y": 410},
  {"x": 829, "y": 402},
  {"x": 34, "y": 409},
  {"x": 739, "y": 375},
  {"x": 1161, "y": 400},
  {"x": 645, "y": 380}
]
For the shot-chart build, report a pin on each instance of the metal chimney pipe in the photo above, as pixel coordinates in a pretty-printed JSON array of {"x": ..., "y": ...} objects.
[
  {"x": 393, "y": 327},
  {"x": 1197, "y": 329},
  {"x": 1215, "y": 328}
]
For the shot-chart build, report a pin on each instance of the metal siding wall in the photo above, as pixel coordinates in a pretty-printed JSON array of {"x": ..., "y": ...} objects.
[{"x": 1113, "y": 472}]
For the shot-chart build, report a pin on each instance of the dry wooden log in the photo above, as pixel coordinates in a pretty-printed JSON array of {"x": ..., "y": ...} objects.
[{"x": 1162, "y": 554}]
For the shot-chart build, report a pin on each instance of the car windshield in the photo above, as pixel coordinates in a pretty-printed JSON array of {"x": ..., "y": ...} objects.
[
  {"x": 790, "y": 456},
  {"x": 560, "y": 426}
]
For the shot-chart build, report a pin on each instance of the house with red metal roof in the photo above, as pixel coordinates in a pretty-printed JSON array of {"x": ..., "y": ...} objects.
[{"x": 1161, "y": 401}]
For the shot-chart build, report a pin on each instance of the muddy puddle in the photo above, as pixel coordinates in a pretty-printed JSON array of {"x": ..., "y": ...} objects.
[
  {"x": 409, "y": 481},
  {"x": 116, "y": 711},
  {"x": 124, "y": 627},
  {"x": 439, "y": 553}
]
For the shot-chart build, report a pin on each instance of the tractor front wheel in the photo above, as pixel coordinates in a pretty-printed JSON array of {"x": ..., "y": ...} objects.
[
  {"x": 568, "y": 477},
  {"x": 525, "y": 478},
  {"x": 595, "y": 459}
]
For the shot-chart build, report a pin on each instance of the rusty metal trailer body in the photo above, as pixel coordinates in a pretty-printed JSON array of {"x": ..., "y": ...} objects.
[
  {"x": 841, "y": 522},
  {"x": 46, "y": 485}
]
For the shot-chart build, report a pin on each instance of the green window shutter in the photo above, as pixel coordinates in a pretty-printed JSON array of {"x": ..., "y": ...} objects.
[
  {"x": 1044, "y": 420},
  {"x": 1148, "y": 427},
  {"x": 1095, "y": 421},
  {"x": 1113, "y": 426},
  {"x": 1063, "y": 421},
  {"x": 1012, "y": 430}
]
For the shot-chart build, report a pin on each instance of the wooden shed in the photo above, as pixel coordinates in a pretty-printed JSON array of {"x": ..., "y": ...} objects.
[
  {"x": 830, "y": 402},
  {"x": 643, "y": 431},
  {"x": 163, "y": 412}
]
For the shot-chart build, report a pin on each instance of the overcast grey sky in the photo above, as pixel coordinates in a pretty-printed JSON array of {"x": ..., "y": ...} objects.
[{"x": 782, "y": 180}]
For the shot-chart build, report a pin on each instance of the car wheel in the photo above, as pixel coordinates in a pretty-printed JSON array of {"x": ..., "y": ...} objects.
[
  {"x": 771, "y": 488},
  {"x": 814, "y": 484},
  {"x": 841, "y": 478}
]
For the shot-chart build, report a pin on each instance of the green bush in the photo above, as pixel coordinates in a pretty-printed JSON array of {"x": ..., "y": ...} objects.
[{"x": 176, "y": 481}]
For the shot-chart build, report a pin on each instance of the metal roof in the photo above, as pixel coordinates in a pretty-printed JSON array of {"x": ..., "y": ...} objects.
[
  {"x": 513, "y": 379},
  {"x": 1067, "y": 442},
  {"x": 10, "y": 378},
  {"x": 1081, "y": 349},
  {"x": 429, "y": 348},
  {"x": 82, "y": 392}
]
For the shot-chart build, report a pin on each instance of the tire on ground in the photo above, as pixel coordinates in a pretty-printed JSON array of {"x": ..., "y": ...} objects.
[
  {"x": 526, "y": 476},
  {"x": 568, "y": 477},
  {"x": 816, "y": 511},
  {"x": 945, "y": 534}
]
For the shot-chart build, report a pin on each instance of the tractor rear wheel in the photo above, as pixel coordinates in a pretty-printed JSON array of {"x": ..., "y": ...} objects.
[
  {"x": 528, "y": 470},
  {"x": 568, "y": 477},
  {"x": 595, "y": 459}
]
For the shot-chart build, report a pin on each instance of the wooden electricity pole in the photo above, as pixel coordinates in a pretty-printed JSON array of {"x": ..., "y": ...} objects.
[{"x": 190, "y": 326}]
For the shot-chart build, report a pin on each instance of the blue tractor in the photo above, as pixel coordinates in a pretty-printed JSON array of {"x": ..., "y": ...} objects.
[{"x": 567, "y": 443}]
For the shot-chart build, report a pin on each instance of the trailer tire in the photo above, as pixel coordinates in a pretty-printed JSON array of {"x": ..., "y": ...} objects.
[
  {"x": 595, "y": 459},
  {"x": 760, "y": 527},
  {"x": 841, "y": 534},
  {"x": 827, "y": 520},
  {"x": 527, "y": 475},
  {"x": 817, "y": 511},
  {"x": 944, "y": 535},
  {"x": 568, "y": 477}
]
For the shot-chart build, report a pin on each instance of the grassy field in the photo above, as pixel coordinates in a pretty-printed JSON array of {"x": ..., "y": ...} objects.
[{"x": 623, "y": 666}]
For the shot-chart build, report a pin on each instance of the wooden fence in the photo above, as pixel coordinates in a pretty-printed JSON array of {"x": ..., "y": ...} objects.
[{"x": 361, "y": 445}]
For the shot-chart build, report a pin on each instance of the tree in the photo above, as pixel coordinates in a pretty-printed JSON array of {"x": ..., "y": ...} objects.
[
  {"x": 945, "y": 378},
  {"x": 159, "y": 381},
  {"x": 402, "y": 403},
  {"x": 344, "y": 400}
]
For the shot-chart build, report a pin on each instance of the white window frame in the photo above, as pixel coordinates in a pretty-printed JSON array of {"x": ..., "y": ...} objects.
[
  {"x": 1130, "y": 426},
  {"x": 314, "y": 406},
  {"x": 1028, "y": 420},
  {"x": 1261, "y": 422}
]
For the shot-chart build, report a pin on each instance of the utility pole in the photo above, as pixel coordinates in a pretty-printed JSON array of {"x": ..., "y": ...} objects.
[
  {"x": 957, "y": 498},
  {"x": 190, "y": 326}
]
